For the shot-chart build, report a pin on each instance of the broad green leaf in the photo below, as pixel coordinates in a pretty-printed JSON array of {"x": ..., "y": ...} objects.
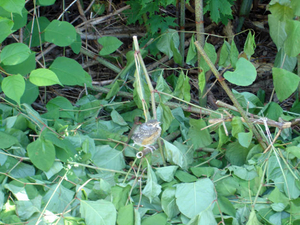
[
  {"x": 117, "y": 118},
  {"x": 120, "y": 195},
  {"x": 76, "y": 45},
  {"x": 281, "y": 12},
  {"x": 14, "y": 54},
  {"x": 292, "y": 43},
  {"x": 203, "y": 218},
  {"x": 22, "y": 68},
  {"x": 68, "y": 71},
  {"x": 237, "y": 126},
  {"x": 152, "y": 188},
  {"x": 13, "y": 87},
  {"x": 225, "y": 55},
  {"x": 177, "y": 56},
  {"x": 30, "y": 94},
  {"x": 272, "y": 111},
  {"x": 226, "y": 206},
  {"x": 234, "y": 54},
  {"x": 293, "y": 151},
  {"x": 113, "y": 90},
  {"x": 109, "y": 158},
  {"x": 212, "y": 55},
  {"x": 175, "y": 155},
  {"x": 185, "y": 177},
  {"x": 277, "y": 31},
  {"x": 6, "y": 28},
  {"x": 7, "y": 140},
  {"x": 141, "y": 92},
  {"x": 165, "y": 116},
  {"x": 126, "y": 215},
  {"x": 236, "y": 154},
  {"x": 253, "y": 219},
  {"x": 290, "y": 81},
  {"x": 199, "y": 138},
  {"x": 295, "y": 5},
  {"x": 203, "y": 171},
  {"x": 244, "y": 172},
  {"x": 45, "y": 2},
  {"x": 249, "y": 45},
  {"x": 201, "y": 81},
  {"x": 110, "y": 44},
  {"x": 168, "y": 202},
  {"x": 164, "y": 43},
  {"x": 59, "y": 198},
  {"x": 227, "y": 186},
  {"x": 63, "y": 105},
  {"x": 157, "y": 219},
  {"x": 182, "y": 89},
  {"x": 247, "y": 99},
  {"x": 41, "y": 153},
  {"x": 283, "y": 61},
  {"x": 245, "y": 138},
  {"x": 14, "y": 6},
  {"x": 34, "y": 117},
  {"x": 18, "y": 191},
  {"x": 244, "y": 75},
  {"x": 37, "y": 37},
  {"x": 162, "y": 86},
  {"x": 191, "y": 57},
  {"x": 193, "y": 198},
  {"x": 166, "y": 173},
  {"x": 60, "y": 33},
  {"x": 99, "y": 212},
  {"x": 27, "y": 208},
  {"x": 43, "y": 77}
]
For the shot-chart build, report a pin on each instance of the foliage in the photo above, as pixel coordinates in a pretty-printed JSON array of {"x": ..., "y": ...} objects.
[{"x": 68, "y": 165}]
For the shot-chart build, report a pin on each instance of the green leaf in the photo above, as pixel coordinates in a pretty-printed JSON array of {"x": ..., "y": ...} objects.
[
  {"x": 290, "y": 81},
  {"x": 277, "y": 31},
  {"x": 244, "y": 172},
  {"x": 212, "y": 55},
  {"x": 237, "y": 126},
  {"x": 185, "y": 177},
  {"x": 37, "y": 37},
  {"x": 253, "y": 219},
  {"x": 126, "y": 215},
  {"x": 191, "y": 57},
  {"x": 284, "y": 61},
  {"x": 175, "y": 155},
  {"x": 193, "y": 198},
  {"x": 162, "y": 86},
  {"x": 68, "y": 71},
  {"x": 245, "y": 138},
  {"x": 165, "y": 116},
  {"x": 272, "y": 111},
  {"x": 43, "y": 77},
  {"x": 166, "y": 173},
  {"x": 157, "y": 219},
  {"x": 201, "y": 81},
  {"x": 249, "y": 45},
  {"x": 22, "y": 68},
  {"x": 45, "y": 2},
  {"x": 236, "y": 154},
  {"x": 110, "y": 44},
  {"x": 41, "y": 153},
  {"x": 6, "y": 28},
  {"x": 14, "y": 6},
  {"x": 63, "y": 105},
  {"x": 117, "y": 118},
  {"x": 113, "y": 90},
  {"x": 168, "y": 202},
  {"x": 226, "y": 206},
  {"x": 164, "y": 43},
  {"x": 152, "y": 188},
  {"x": 292, "y": 43},
  {"x": 281, "y": 12},
  {"x": 76, "y": 45},
  {"x": 176, "y": 53},
  {"x": 199, "y": 138},
  {"x": 99, "y": 212},
  {"x": 183, "y": 88},
  {"x": 30, "y": 94},
  {"x": 14, "y": 54},
  {"x": 13, "y": 87},
  {"x": 109, "y": 158},
  {"x": 7, "y": 140},
  {"x": 244, "y": 75},
  {"x": 60, "y": 33},
  {"x": 225, "y": 55},
  {"x": 234, "y": 54}
]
